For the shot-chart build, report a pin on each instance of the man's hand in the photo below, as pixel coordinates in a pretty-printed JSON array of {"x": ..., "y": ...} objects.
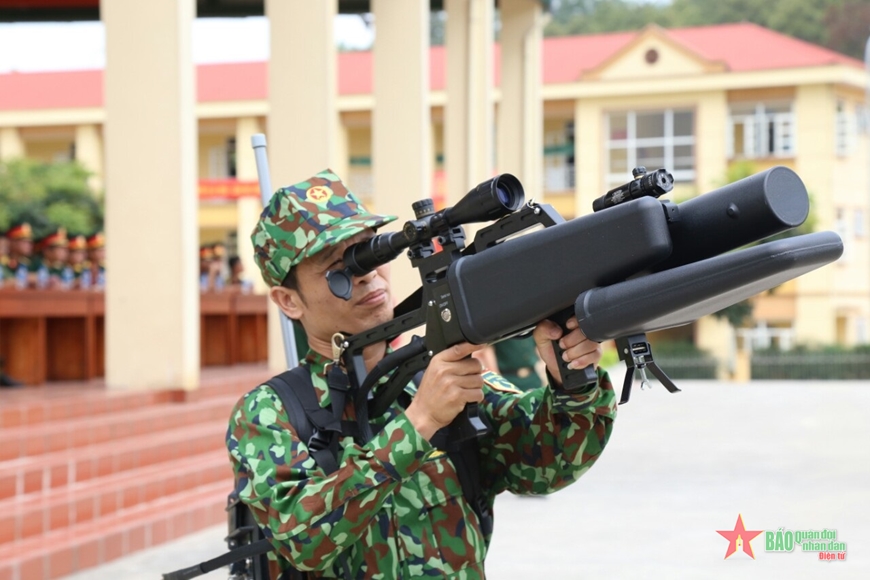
[
  {"x": 452, "y": 380},
  {"x": 580, "y": 352}
]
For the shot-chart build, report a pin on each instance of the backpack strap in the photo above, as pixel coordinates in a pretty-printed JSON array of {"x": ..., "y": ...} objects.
[
  {"x": 466, "y": 458},
  {"x": 317, "y": 426}
]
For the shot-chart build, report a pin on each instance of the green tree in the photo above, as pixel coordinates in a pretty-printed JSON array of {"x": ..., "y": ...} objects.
[
  {"x": 841, "y": 25},
  {"x": 848, "y": 25},
  {"x": 570, "y": 17},
  {"x": 48, "y": 195}
]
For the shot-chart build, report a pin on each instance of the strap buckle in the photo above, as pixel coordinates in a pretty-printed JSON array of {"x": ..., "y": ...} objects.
[{"x": 319, "y": 440}]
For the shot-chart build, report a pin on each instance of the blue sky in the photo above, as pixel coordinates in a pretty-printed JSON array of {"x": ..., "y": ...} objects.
[{"x": 31, "y": 47}]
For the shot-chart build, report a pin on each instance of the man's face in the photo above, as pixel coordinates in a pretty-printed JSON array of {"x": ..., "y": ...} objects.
[
  {"x": 56, "y": 253},
  {"x": 22, "y": 247},
  {"x": 323, "y": 314},
  {"x": 97, "y": 255},
  {"x": 76, "y": 257}
]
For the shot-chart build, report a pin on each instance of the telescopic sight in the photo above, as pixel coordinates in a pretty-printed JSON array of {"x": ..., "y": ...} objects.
[{"x": 491, "y": 200}]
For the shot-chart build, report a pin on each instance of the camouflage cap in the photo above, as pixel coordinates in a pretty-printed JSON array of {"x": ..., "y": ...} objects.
[{"x": 303, "y": 219}]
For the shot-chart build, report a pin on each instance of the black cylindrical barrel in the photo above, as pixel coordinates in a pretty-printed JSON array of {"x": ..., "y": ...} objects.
[
  {"x": 737, "y": 214},
  {"x": 520, "y": 282}
]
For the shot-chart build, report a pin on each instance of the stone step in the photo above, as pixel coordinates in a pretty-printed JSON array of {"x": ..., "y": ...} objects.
[
  {"x": 32, "y": 515},
  {"x": 83, "y": 546},
  {"x": 41, "y": 438},
  {"x": 56, "y": 402},
  {"x": 53, "y": 471}
]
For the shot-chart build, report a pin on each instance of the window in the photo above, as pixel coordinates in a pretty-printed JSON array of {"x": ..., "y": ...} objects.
[
  {"x": 654, "y": 139},
  {"x": 761, "y": 130},
  {"x": 359, "y": 176},
  {"x": 559, "y": 158},
  {"x": 862, "y": 119},
  {"x": 222, "y": 160},
  {"x": 844, "y": 130},
  {"x": 231, "y": 157}
]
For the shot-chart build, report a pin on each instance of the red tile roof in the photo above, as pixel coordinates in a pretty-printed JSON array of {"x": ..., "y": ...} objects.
[
  {"x": 747, "y": 47},
  {"x": 742, "y": 47}
]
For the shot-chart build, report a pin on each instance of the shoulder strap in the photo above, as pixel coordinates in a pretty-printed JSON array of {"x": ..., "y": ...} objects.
[
  {"x": 314, "y": 424},
  {"x": 291, "y": 398},
  {"x": 317, "y": 426}
]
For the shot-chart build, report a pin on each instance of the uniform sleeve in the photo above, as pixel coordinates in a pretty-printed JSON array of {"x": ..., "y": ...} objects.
[
  {"x": 309, "y": 516},
  {"x": 542, "y": 441}
]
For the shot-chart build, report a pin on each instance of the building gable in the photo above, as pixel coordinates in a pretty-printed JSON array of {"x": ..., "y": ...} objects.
[{"x": 653, "y": 53}]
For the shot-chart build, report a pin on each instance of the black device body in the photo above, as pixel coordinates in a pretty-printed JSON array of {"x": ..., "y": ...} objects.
[{"x": 621, "y": 271}]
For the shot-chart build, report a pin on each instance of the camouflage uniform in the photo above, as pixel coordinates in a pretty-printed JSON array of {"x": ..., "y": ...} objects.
[
  {"x": 395, "y": 506},
  {"x": 11, "y": 264},
  {"x": 57, "y": 238}
]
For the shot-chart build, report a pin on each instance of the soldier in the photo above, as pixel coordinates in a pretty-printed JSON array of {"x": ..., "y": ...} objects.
[
  {"x": 54, "y": 250},
  {"x": 4, "y": 257},
  {"x": 219, "y": 252},
  {"x": 96, "y": 258},
  {"x": 77, "y": 254},
  {"x": 207, "y": 269},
  {"x": 395, "y": 507},
  {"x": 4, "y": 248},
  {"x": 19, "y": 269}
]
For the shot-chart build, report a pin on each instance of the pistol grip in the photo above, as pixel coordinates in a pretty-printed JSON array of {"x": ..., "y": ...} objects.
[
  {"x": 572, "y": 379},
  {"x": 467, "y": 425}
]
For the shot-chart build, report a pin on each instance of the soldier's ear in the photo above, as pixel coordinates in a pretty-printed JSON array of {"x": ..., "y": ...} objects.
[{"x": 289, "y": 301}]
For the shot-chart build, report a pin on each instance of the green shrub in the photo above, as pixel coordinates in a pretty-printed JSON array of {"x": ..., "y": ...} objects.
[
  {"x": 831, "y": 362},
  {"x": 684, "y": 360}
]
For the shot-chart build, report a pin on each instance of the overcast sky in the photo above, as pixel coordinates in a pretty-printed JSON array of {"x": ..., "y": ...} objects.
[{"x": 31, "y": 47}]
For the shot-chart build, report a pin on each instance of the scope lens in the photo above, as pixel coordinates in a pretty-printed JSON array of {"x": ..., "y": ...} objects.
[{"x": 503, "y": 196}]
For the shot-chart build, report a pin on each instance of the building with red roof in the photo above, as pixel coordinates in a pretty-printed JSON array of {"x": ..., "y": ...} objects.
[{"x": 698, "y": 101}]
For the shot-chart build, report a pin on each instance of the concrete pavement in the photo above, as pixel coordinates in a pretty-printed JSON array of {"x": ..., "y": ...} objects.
[{"x": 678, "y": 468}]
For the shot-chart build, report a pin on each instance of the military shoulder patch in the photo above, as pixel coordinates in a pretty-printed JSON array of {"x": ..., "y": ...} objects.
[{"x": 499, "y": 383}]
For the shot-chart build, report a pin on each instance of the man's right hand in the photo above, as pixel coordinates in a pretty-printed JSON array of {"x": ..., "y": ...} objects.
[{"x": 452, "y": 380}]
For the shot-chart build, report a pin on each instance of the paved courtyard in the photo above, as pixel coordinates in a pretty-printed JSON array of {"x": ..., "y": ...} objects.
[{"x": 679, "y": 467}]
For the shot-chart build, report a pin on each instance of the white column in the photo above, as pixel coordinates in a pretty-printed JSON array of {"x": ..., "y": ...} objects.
[
  {"x": 152, "y": 297},
  {"x": 401, "y": 126},
  {"x": 303, "y": 119},
  {"x": 520, "y": 110},
  {"x": 468, "y": 124},
  {"x": 248, "y": 209},
  {"x": 589, "y": 153},
  {"x": 89, "y": 152},
  {"x": 11, "y": 143}
]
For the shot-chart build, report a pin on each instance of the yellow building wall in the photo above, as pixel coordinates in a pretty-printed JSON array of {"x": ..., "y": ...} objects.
[{"x": 815, "y": 311}]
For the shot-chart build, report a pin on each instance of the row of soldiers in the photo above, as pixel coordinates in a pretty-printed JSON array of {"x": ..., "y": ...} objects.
[
  {"x": 216, "y": 275},
  {"x": 54, "y": 261}
]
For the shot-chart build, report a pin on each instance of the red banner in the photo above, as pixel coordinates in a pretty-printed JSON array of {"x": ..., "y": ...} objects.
[{"x": 227, "y": 189}]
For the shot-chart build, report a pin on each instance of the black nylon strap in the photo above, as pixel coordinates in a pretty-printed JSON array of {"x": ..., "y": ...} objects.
[{"x": 317, "y": 426}]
